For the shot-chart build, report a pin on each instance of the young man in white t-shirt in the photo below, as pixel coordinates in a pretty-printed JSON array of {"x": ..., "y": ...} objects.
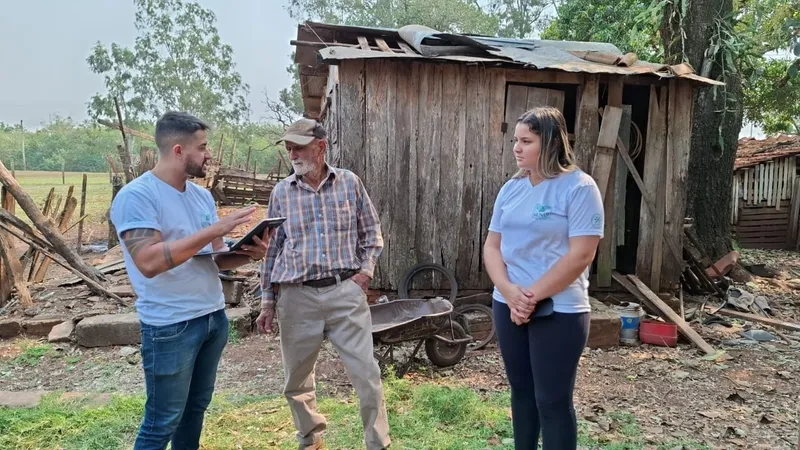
[{"x": 164, "y": 221}]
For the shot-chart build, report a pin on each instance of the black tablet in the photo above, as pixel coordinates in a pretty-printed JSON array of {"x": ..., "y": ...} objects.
[{"x": 257, "y": 230}]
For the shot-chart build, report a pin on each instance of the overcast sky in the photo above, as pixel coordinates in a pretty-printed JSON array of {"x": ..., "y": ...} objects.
[{"x": 44, "y": 45}]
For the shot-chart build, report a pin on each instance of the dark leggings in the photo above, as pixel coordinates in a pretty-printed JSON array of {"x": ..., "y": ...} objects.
[{"x": 541, "y": 360}]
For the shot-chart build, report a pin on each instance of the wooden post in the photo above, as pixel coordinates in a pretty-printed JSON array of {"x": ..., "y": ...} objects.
[
  {"x": 233, "y": 150},
  {"x": 124, "y": 150},
  {"x": 651, "y": 224},
  {"x": 587, "y": 126},
  {"x": 24, "y": 160},
  {"x": 45, "y": 227},
  {"x": 255, "y": 167},
  {"x": 113, "y": 239},
  {"x": 249, "y": 151},
  {"x": 219, "y": 152},
  {"x": 12, "y": 272},
  {"x": 63, "y": 175},
  {"x": 82, "y": 212},
  {"x": 63, "y": 224}
]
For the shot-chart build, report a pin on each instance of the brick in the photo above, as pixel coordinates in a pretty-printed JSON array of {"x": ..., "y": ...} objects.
[
  {"x": 240, "y": 319},
  {"x": 10, "y": 328},
  {"x": 61, "y": 332},
  {"x": 107, "y": 330},
  {"x": 41, "y": 325},
  {"x": 232, "y": 290},
  {"x": 605, "y": 326}
]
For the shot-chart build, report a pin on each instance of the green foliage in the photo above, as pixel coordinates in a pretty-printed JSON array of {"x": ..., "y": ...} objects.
[
  {"x": 456, "y": 16},
  {"x": 772, "y": 100},
  {"x": 32, "y": 355},
  {"x": 178, "y": 62},
  {"x": 519, "y": 18},
  {"x": 631, "y": 25},
  {"x": 80, "y": 146}
]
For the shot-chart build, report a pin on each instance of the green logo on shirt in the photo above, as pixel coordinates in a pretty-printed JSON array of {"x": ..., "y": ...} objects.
[
  {"x": 542, "y": 212},
  {"x": 206, "y": 221},
  {"x": 597, "y": 221}
]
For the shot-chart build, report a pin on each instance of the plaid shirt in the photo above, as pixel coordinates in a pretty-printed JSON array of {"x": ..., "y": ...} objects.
[{"x": 326, "y": 231}]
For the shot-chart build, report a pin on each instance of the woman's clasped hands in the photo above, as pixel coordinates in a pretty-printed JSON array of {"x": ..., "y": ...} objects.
[{"x": 520, "y": 301}]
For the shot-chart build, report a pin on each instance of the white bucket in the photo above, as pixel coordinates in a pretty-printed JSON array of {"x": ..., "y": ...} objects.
[{"x": 630, "y": 315}]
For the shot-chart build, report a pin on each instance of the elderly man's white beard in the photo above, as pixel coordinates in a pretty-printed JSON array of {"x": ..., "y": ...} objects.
[{"x": 302, "y": 167}]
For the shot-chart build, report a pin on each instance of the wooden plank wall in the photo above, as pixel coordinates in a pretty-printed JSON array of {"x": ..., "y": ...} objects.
[
  {"x": 428, "y": 142},
  {"x": 425, "y": 155},
  {"x": 764, "y": 210}
]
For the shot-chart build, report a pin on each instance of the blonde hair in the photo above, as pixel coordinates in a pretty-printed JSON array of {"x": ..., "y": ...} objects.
[{"x": 555, "y": 153}]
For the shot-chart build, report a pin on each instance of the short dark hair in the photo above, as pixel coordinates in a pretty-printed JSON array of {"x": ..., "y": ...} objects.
[{"x": 176, "y": 125}]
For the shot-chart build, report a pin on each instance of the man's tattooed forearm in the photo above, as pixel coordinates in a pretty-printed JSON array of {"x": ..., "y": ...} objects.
[
  {"x": 168, "y": 256},
  {"x": 136, "y": 240}
]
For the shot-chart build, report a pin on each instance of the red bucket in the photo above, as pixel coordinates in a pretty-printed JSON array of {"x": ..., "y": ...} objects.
[{"x": 658, "y": 333}]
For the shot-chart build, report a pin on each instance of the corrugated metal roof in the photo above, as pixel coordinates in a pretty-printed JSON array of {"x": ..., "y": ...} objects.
[
  {"x": 752, "y": 152},
  {"x": 534, "y": 54}
]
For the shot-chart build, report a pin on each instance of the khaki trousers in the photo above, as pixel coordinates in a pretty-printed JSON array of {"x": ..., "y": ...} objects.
[{"x": 340, "y": 313}]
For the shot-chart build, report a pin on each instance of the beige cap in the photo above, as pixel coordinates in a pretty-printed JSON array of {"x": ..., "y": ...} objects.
[{"x": 303, "y": 131}]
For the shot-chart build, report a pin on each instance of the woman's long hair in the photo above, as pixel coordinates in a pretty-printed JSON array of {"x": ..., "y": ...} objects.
[{"x": 555, "y": 154}]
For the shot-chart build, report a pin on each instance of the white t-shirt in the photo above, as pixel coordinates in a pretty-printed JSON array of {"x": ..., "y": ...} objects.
[
  {"x": 535, "y": 224},
  {"x": 190, "y": 290}
]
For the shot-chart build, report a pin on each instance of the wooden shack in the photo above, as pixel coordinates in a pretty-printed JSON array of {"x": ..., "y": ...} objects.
[
  {"x": 426, "y": 119},
  {"x": 765, "y": 197}
]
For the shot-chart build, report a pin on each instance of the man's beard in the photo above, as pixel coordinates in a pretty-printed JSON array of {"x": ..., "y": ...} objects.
[
  {"x": 195, "y": 170},
  {"x": 302, "y": 167}
]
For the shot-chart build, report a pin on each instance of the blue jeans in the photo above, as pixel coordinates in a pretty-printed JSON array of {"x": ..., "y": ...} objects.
[
  {"x": 180, "y": 368},
  {"x": 541, "y": 360}
]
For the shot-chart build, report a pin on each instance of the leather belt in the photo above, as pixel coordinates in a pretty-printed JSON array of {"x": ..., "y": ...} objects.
[{"x": 330, "y": 281}]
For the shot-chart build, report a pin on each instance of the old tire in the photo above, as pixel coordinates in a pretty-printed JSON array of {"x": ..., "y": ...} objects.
[
  {"x": 462, "y": 316},
  {"x": 451, "y": 279},
  {"x": 443, "y": 354}
]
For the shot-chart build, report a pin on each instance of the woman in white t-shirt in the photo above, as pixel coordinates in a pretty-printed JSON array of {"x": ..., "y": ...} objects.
[{"x": 546, "y": 224}]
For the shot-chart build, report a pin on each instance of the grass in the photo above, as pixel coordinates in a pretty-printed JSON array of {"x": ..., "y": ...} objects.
[
  {"x": 32, "y": 354},
  {"x": 98, "y": 192},
  {"x": 421, "y": 416}
]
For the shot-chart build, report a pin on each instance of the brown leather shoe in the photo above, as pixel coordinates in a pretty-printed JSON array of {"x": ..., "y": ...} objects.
[{"x": 315, "y": 446}]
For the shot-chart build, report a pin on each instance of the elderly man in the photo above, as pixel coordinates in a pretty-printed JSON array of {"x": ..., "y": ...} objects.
[
  {"x": 165, "y": 221},
  {"x": 320, "y": 263}
]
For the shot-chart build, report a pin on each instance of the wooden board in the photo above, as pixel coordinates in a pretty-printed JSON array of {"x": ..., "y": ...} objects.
[
  {"x": 651, "y": 224},
  {"x": 587, "y": 124},
  {"x": 643, "y": 292},
  {"x": 756, "y": 318},
  {"x": 516, "y": 105},
  {"x": 451, "y": 161},
  {"x": 606, "y": 249},
  {"x": 381, "y": 84},
  {"x": 679, "y": 140},
  {"x": 606, "y": 155},
  {"x": 468, "y": 262},
  {"x": 383, "y": 45},
  {"x": 545, "y": 97},
  {"x": 429, "y": 141},
  {"x": 400, "y": 175},
  {"x": 491, "y": 170},
  {"x": 352, "y": 124}
]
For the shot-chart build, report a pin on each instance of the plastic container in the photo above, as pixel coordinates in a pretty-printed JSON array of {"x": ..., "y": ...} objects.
[
  {"x": 658, "y": 333},
  {"x": 630, "y": 315}
]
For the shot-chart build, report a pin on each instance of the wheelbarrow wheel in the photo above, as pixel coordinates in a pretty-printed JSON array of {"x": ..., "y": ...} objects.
[{"x": 444, "y": 354}]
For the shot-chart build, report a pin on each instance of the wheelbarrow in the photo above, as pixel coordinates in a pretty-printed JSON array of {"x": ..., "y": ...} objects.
[{"x": 426, "y": 321}]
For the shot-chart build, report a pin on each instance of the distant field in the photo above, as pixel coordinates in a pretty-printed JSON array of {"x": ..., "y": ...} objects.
[{"x": 98, "y": 191}]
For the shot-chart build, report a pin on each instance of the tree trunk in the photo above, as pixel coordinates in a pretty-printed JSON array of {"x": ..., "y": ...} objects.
[
  {"x": 45, "y": 226},
  {"x": 714, "y": 134}
]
